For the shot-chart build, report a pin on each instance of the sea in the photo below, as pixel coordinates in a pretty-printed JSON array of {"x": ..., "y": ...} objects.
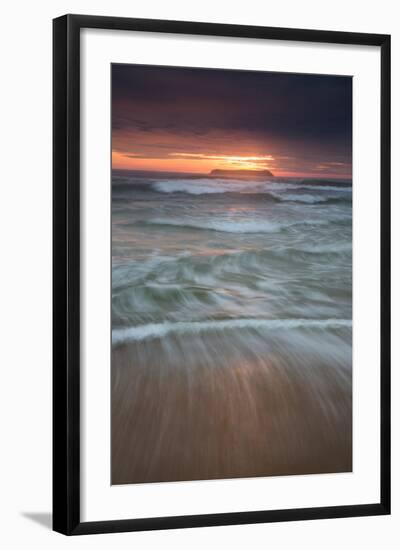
[{"x": 232, "y": 314}]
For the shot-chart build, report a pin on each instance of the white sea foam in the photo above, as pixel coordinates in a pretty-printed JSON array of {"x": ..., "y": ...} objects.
[
  {"x": 326, "y": 188},
  {"x": 159, "y": 330},
  {"x": 195, "y": 187},
  {"x": 297, "y": 197},
  {"x": 205, "y": 186},
  {"x": 226, "y": 226}
]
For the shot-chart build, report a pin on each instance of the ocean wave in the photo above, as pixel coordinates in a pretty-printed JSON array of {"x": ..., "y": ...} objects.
[
  {"x": 238, "y": 226},
  {"x": 205, "y": 186},
  {"x": 203, "y": 277},
  {"x": 325, "y": 188},
  {"x": 307, "y": 199},
  {"x": 159, "y": 330},
  {"x": 325, "y": 182},
  {"x": 225, "y": 226},
  {"x": 197, "y": 279}
]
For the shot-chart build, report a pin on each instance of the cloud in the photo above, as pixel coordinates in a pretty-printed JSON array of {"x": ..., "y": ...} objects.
[{"x": 201, "y": 114}]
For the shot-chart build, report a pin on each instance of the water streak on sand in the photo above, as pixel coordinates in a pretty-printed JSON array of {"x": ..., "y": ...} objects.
[{"x": 158, "y": 330}]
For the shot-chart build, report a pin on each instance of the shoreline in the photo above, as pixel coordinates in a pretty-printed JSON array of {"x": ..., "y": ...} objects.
[{"x": 184, "y": 419}]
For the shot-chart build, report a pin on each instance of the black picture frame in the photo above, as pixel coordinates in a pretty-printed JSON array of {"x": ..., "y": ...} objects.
[{"x": 66, "y": 273}]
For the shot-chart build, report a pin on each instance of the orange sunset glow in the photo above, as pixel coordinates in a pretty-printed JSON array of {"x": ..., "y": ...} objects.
[{"x": 191, "y": 162}]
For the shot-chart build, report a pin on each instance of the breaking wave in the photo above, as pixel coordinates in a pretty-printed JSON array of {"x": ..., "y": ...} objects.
[
  {"x": 225, "y": 226},
  {"x": 206, "y": 186},
  {"x": 159, "y": 330}
]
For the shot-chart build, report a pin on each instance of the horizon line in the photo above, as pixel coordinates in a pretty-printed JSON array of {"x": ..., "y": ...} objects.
[{"x": 276, "y": 175}]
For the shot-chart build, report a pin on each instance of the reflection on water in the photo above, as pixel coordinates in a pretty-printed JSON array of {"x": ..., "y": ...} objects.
[{"x": 231, "y": 318}]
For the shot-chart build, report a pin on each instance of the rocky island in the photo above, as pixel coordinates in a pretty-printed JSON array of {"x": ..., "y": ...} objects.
[{"x": 218, "y": 173}]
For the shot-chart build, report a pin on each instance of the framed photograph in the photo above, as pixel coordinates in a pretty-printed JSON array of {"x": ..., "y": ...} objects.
[{"x": 221, "y": 274}]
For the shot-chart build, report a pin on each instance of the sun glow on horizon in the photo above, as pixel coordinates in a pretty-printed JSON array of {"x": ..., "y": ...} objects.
[
  {"x": 193, "y": 162},
  {"x": 204, "y": 163},
  {"x": 232, "y": 161}
]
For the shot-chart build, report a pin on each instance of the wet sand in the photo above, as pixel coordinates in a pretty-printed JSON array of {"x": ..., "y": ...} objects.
[{"x": 177, "y": 416}]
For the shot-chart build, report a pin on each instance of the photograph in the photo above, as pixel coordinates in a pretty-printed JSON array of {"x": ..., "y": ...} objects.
[{"x": 231, "y": 309}]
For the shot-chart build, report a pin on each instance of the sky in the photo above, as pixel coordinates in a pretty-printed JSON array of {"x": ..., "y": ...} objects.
[{"x": 196, "y": 120}]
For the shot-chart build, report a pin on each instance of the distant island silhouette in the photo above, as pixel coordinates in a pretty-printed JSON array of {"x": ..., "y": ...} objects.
[{"x": 218, "y": 173}]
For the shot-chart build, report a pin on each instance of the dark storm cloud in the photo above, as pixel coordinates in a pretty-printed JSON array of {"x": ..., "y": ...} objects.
[{"x": 263, "y": 102}]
